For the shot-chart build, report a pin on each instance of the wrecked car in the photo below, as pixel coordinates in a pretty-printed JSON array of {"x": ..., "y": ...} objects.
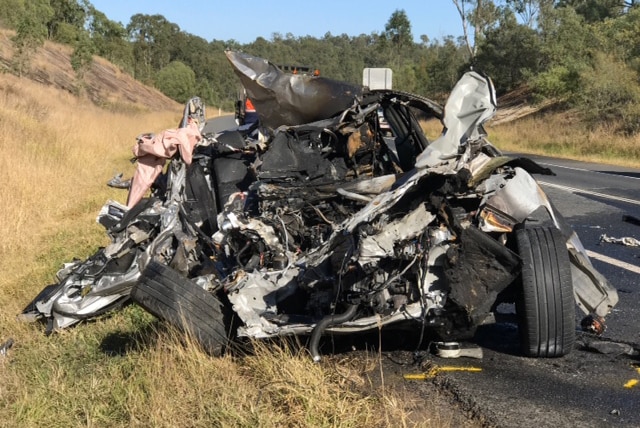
[{"x": 315, "y": 221}]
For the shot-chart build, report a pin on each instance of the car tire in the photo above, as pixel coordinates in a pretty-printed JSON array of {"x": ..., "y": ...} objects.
[
  {"x": 171, "y": 297},
  {"x": 545, "y": 304}
]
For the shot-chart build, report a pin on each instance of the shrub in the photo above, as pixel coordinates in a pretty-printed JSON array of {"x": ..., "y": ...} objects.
[
  {"x": 610, "y": 94},
  {"x": 177, "y": 81}
]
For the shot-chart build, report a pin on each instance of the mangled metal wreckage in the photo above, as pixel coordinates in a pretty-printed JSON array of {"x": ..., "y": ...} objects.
[{"x": 316, "y": 220}]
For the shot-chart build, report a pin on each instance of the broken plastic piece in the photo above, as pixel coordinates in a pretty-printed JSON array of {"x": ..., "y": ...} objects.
[
  {"x": 593, "y": 324},
  {"x": 611, "y": 348},
  {"x": 6, "y": 346},
  {"x": 118, "y": 183},
  {"x": 625, "y": 240},
  {"x": 454, "y": 350}
]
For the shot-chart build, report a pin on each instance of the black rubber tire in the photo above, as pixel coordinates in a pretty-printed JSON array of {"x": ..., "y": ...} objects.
[
  {"x": 171, "y": 297},
  {"x": 545, "y": 305}
]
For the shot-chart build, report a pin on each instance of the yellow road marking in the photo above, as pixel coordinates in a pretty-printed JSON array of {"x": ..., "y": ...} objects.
[{"x": 435, "y": 370}]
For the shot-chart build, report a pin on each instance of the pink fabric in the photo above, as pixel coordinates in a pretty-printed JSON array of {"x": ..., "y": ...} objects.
[{"x": 153, "y": 151}]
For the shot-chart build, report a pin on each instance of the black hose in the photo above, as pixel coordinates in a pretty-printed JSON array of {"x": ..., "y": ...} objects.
[{"x": 325, "y": 322}]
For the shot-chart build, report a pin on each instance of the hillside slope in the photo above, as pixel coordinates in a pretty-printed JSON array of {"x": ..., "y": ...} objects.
[
  {"x": 518, "y": 104},
  {"x": 104, "y": 84}
]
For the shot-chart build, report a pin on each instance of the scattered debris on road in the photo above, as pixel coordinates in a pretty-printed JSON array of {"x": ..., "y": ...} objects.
[
  {"x": 456, "y": 350},
  {"x": 627, "y": 240}
]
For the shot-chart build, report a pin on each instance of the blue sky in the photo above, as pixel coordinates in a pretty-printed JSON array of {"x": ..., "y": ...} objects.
[{"x": 246, "y": 20}]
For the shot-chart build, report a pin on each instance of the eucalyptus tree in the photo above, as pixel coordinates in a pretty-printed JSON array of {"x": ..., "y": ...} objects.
[
  {"x": 510, "y": 53},
  {"x": 67, "y": 21},
  {"x": 530, "y": 10},
  {"x": 31, "y": 32},
  {"x": 476, "y": 16},
  {"x": 398, "y": 30},
  {"x": 110, "y": 39},
  {"x": 152, "y": 37},
  {"x": 598, "y": 10}
]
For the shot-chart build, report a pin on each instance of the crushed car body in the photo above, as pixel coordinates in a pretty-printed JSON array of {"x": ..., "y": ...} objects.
[{"x": 318, "y": 220}]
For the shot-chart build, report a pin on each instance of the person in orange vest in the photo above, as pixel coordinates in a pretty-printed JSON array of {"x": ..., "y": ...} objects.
[{"x": 250, "y": 114}]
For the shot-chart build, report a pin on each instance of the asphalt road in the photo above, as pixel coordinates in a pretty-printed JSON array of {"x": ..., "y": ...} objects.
[
  {"x": 218, "y": 124},
  {"x": 591, "y": 387}
]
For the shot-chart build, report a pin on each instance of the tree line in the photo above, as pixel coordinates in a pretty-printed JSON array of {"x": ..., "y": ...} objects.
[{"x": 584, "y": 54}]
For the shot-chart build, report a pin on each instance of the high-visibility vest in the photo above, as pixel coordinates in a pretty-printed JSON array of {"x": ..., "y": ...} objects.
[{"x": 248, "y": 106}]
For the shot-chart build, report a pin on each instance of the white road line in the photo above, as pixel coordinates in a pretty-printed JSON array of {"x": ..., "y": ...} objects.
[
  {"x": 569, "y": 167},
  {"x": 589, "y": 192},
  {"x": 615, "y": 262},
  {"x": 620, "y": 174}
]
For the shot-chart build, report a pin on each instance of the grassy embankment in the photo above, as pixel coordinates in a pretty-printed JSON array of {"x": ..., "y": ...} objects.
[
  {"x": 559, "y": 135},
  {"x": 126, "y": 369}
]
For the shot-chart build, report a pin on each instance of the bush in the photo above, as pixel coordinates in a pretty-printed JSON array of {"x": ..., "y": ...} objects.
[
  {"x": 557, "y": 82},
  {"x": 177, "y": 81},
  {"x": 610, "y": 95}
]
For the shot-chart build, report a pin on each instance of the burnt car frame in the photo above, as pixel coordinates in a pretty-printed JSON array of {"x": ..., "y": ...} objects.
[{"x": 317, "y": 220}]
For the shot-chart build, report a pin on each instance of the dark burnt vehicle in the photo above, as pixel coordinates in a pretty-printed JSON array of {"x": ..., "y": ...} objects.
[{"x": 315, "y": 221}]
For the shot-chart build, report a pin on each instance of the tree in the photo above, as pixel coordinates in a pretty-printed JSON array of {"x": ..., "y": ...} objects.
[
  {"x": 30, "y": 33},
  {"x": 444, "y": 63},
  {"x": 11, "y": 12},
  {"x": 66, "y": 22},
  {"x": 396, "y": 45},
  {"x": 110, "y": 39},
  {"x": 191, "y": 50},
  {"x": 153, "y": 39},
  {"x": 510, "y": 53},
  {"x": 597, "y": 10},
  {"x": 566, "y": 46},
  {"x": 566, "y": 40},
  {"x": 177, "y": 81},
  {"x": 82, "y": 55},
  {"x": 610, "y": 94},
  {"x": 621, "y": 37},
  {"x": 530, "y": 10},
  {"x": 398, "y": 30},
  {"x": 482, "y": 14}
]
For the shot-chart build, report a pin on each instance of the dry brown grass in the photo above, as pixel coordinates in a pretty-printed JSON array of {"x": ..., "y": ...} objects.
[
  {"x": 57, "y": 153},
  {"x": 127, "y": 369},
  {"x": 432, "y": 128},
  {"x": 562, "y": 135},
  {"x": 559, "y": 135}
]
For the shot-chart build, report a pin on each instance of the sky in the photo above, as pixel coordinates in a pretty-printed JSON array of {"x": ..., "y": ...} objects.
[{"x": 244, "y": 21}]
